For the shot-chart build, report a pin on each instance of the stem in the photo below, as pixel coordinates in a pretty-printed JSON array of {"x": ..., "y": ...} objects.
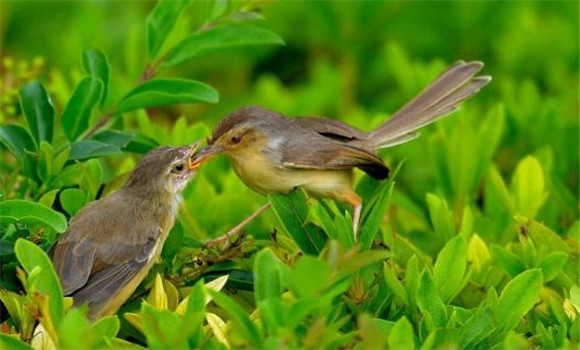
[{"x": 238, "y": 228}]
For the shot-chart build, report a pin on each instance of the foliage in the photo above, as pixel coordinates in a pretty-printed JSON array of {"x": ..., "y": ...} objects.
[{"x": 472, "y": 243}]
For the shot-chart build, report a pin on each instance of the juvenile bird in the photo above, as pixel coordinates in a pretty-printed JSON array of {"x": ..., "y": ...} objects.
[
  {"x": 111, "y": 244},
  {"x": 275, "y": 154}
]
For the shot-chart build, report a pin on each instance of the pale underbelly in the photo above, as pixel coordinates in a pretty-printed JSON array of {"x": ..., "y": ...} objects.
[{"x": 266, "y": 180}]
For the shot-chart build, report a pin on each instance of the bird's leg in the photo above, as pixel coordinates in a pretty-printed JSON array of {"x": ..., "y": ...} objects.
[
  {"x": 238, "y": 228},
  {"x": 356, "y": 209},
  {"x": 353, "y": 199}
]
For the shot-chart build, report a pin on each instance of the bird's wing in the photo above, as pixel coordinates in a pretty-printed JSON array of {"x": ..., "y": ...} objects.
[
  {"x": 105, "y": 246},
  {"x": 318, "y": 152},
  {"x": 330, "y": 128}
]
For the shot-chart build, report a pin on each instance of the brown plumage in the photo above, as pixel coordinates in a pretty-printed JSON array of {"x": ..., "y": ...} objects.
[
  {"x": 111, "y": 244},
  {"x": 275, "y": 154}
]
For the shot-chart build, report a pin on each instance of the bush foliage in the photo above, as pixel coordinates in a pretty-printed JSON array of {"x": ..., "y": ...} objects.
[{"x": 473, "y": 243}]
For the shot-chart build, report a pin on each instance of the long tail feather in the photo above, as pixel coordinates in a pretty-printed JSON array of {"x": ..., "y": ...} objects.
[{"x": 439, "y": 99}]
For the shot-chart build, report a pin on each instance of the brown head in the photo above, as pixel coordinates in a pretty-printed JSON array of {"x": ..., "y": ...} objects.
[
  {"x": 163, "y": 169},
  {"x": 247, "y": 129}
]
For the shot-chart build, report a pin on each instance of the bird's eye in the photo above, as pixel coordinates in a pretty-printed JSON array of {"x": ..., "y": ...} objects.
[
  {"x": 177, "y": 168},
  {"x": 236, "y": 139}
]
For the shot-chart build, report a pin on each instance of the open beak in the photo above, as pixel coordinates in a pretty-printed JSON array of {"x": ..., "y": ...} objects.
[
  {"x": 204, "y": 155},
  {"x": 192, "y": 149}
]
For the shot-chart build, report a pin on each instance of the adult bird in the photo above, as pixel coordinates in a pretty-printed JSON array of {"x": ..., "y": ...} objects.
[
  {"x": 111, "y": 243},
  {"x": 272, "y": 153}
]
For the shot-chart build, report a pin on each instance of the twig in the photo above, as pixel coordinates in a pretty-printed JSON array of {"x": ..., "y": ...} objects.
[{"x": 236, "y": 229}]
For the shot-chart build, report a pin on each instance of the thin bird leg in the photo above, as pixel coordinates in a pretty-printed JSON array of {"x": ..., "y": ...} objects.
[
  {"x": 355, "y": 201},
  {"x": 237, "y": 229},
  {"x": 356, "y": 209}
]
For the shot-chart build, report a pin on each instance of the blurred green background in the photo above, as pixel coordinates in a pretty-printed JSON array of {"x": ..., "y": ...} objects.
[
  {"x": 510, "y": 154},
  {"x": 356, "y": 61}
]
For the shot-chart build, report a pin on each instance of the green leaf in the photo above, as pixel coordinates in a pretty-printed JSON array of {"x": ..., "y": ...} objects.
[
  {"x": 113, "y": 137},
  {"x": 517, "y": 298},
  {"x": 38, "y": 109},
  {"x": 309, "y": 277},
  {"x": 72, "y": 200},
  {"x": 441, "y": 216},
  {"x": 239, "y": 316},
  {"x": 77, "y": 113},
  {"x": 394, "y": 284},
  {"x": 20, "y": 143},
  {"x": 12, "y": 343},
  {"x": 107, "y": 326},
  {"x": 74, "y": 332},
  {"x": 527, "y": 187},
  {"x": 86, "y": 149},
  {"x": 219, "y": 38},
  {"x": 161, "y": 21},
  {"x": 450, "y": 267},
  {"x": 32, "y": 257},
  {"x": 292, "y": 211},
  {"x": 163, "y": 92},
  {"x": 267, "y": 276},
  {"x": 476, "y": 328},
  {"x": 373, "y": 221},
  {"x": 553, "y": 264},
  {"x": 429, "y": 301},
  {"x": 508, "y": 261},
  {"x": 96, "y": 65},
  {"x": 402, "y": 336},
  {"x": 18, "y": 210}
]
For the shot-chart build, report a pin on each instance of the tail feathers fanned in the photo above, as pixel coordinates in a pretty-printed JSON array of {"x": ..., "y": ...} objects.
[{"x": 439, "y": 99}]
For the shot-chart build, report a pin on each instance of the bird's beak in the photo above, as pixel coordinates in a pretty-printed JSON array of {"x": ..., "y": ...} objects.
[
  {"x": 192, "y": 149},
  {"x": 204, "y": 155}
]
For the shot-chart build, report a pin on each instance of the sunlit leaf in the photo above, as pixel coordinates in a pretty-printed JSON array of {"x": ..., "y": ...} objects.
[
  {"x": 39, "y": 112},
  {"x": 86, "y": 149},
  {"x": 517, "y": 298},
  {"x": 267, "y": 274},
  {"x": 32, "y": 257},
  {"x": 450, "y": 267},
  {"x": 96, "y": 65},
  {"x": 18, "y": 210},
  {"x": 77, "y": 113},
  {"x": 163, "y": 92},
  {"x": 219, "y": 38},
  {"x": 161, "y": 21}
]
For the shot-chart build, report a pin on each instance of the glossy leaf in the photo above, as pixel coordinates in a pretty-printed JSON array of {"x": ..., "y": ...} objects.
[
  {"x": 39, "y": 112},
  {"x": 161, "y": 21},
  {"x": 72, "y": 200},
  {"x": 77, "y": 113},
  {"x": 31, "y": 257},
  {"x": 450, "y": 267},
  {"x": 20, "y": 143},
  {"x": 528, "y": 187},
  {"x": 292, "y": 211},
  {"x": 219, "y": 38},
  {"x": 96, "y": 65},
  {"x": 373, "y": 221},
  {"x": 86, "y": 149},
  {"x": 18, "y": 210},
  {"x": 163, "y": 92},
  {"x": 430, "y": 302},
  {"x": 517, "y": 298}
]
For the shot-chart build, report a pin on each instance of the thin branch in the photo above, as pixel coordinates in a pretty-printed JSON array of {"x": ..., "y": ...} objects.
[{"x": 236, "y": 229}]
